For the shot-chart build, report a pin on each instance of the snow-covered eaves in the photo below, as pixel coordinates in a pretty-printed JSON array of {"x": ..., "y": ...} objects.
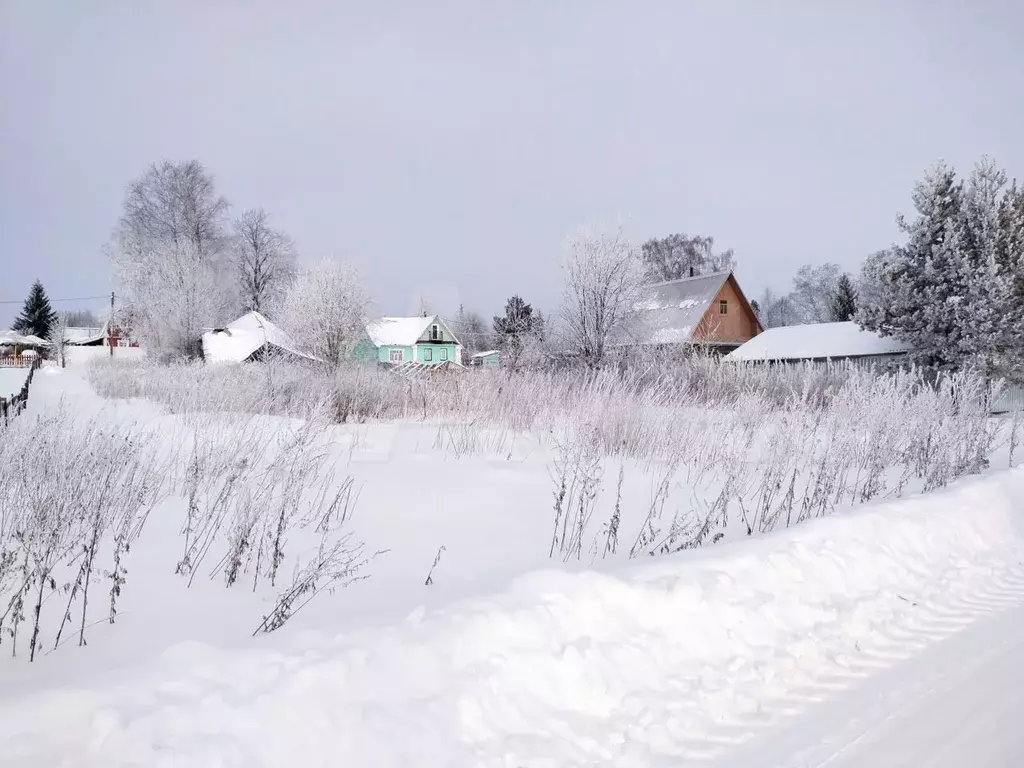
[
  {"x": 669, "y": 312},
  {"x": 13, "y": 338},
  {"x": 818, "y": 341},
  {"x": 488, "y": 353},
  {"x": 405, "y": 331},
  {"x": 239, "y": 341}
]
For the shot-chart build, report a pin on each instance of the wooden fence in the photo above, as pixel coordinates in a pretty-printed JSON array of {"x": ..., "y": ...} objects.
[{"x": 12, "y": 406}]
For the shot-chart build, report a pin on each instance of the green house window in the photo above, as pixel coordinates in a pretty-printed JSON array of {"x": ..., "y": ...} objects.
[
  {"x": 428, "y": 355},
  {"x": 444, "y": 354},
  {"x": 396, "y": 356}
]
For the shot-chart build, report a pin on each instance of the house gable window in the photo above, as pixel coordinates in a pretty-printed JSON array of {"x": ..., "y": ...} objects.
[
  {"x": 435, "y": 334},
  {"x": 444, "y": 354},
  {"x": 428, "y": 355},
  {"x": 396, "y": 356},
  {"x": 723, "y": 307}
]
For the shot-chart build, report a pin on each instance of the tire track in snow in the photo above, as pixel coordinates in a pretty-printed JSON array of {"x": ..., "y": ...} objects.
[{"x": 929, "y": 624}]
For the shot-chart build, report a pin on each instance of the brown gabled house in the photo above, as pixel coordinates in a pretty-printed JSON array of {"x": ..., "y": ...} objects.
[{"x": 706, "y": 310}]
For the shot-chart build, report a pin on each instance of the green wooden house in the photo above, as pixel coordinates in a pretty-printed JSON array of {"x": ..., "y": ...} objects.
[{"x": 424, "y": 340}]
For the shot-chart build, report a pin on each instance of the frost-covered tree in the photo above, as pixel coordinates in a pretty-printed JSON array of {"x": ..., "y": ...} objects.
[
  {"x": 842, "y": 305},
  {"x": 603, "y": 276},
  {"x": 37, "y": 316},
  {"x": 1010, "y": 258},
  {"x": 813, "y": 289},
  {"x": 679, "y": 255},
  {"x": 169, "y": 253},
  {"x": 985, "y": 284},
  {"x": 872, "y": 283},
  {"x": 83, "y": 318},
  {"x": 264, "y": 258},
  {"x": 774, "y": 311},
  {"x": 471, "y": 329},
  {"x": 515, "y": 330},
  {"x": 945, "y": 291},
  {"x": 326, "y": 310},
  {"x": 58, "y": 338}
]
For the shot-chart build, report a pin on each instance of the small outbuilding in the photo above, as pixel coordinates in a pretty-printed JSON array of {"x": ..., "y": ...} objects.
[
  {"x": 489, "y": 359},
  {"x": 252, "y": 337}
]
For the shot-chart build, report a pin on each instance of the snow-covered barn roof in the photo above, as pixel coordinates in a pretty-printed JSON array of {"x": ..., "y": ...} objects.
[
  {"x": 487, "y": 353},
  {"x": 669, "y": 312},
  {"x": 818, "y": 341},
  {"x": 403, "y": 331},
  {"x": 238, "y": 341}
]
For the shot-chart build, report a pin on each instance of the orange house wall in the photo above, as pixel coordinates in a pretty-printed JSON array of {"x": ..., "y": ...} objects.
[{"x": 739, "y": 325}]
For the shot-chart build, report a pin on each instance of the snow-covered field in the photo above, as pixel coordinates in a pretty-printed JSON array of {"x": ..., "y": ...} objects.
[
  {"x": 12, "y": 380},
  {"x": 508, "y": 657}
]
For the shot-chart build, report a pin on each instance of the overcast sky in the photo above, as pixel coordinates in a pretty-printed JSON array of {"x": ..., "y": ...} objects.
[{"x": 448, "y": 147}]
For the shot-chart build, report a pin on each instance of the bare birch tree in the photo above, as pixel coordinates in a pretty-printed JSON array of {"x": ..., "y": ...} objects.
[
  {"x": 603, "y": 277},
  {"x": 326, "y": 310},
  {"x": 169, "y": 254},
  {"x": 264, "y": 258}
]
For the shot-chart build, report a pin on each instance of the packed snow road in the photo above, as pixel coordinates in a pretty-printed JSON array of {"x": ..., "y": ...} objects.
[{"x": 956, "y": 704}]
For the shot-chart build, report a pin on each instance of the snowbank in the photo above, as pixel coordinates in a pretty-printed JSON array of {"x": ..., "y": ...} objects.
[
  {"x": 817, "y": 341},
  {"x": 671, "y": 660}
]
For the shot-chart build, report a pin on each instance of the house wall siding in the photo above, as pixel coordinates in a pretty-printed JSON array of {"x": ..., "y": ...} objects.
[
  {"x": 737, "y": 326},
  {"x": 384, "y": 353},
  {"x": 435, "y": 353}
]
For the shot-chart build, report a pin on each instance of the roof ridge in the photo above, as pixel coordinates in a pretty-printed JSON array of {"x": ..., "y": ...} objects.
[{"x": 724, "y": 273}]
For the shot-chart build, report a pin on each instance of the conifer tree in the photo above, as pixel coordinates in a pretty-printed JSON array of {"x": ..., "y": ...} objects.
[
  {"x": 37, "y": 316},
  {"x": 842, "y": 305},
  {"x": 923, "y": 286}
]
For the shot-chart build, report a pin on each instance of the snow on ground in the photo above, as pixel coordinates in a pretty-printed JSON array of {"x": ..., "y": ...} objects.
[
  {"x": 12, "y": 380},
  {"x": 721, "y": 656}
]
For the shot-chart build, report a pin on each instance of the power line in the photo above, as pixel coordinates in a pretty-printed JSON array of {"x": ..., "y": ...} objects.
[{"x": 80, "y": 298}]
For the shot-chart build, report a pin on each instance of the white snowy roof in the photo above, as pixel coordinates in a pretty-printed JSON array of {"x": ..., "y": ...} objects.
[
  {"x": 817, "y": 342},
  {"x": 12, "y": 338},
  {"x": 403, "y": 331},
  {"x": 668, "y": 313},
  {"x": 74, "y": 334},
  {"x": 485, "y": 354},
  {"x": 239, "y": 340}
]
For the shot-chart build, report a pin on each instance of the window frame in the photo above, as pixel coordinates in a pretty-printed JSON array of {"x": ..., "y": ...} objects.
[
  {"x": 444, "y": 355},
  {"x": 723, "y": 306},
  {"x": 428, "y": 355},
  {"x": 399, "y": 352}
]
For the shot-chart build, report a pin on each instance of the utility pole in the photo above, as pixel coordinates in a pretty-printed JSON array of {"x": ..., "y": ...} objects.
[{"x": 110, "y": 326}]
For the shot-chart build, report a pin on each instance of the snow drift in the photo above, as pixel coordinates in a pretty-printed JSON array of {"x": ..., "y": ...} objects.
[{"x": 653, "y": 664}]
